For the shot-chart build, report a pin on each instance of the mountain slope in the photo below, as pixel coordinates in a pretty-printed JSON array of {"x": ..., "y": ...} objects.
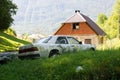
[
  {"x": 46, "y": 16},
  {"x": 10, "y": 43}
]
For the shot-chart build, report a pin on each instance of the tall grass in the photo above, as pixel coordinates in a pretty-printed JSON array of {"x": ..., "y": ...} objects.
[
  {"x": 98, "y": 65},
  {"x": 110, "y": 44}
]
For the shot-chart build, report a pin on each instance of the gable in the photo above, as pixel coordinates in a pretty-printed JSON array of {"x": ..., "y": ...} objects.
[
  {"x": 75, "y": 18},
  {"x": 66, "y": 29}
]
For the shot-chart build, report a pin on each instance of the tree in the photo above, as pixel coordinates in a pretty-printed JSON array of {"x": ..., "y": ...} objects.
[
  {"x": 7, "y": 10},
  {"x": 116, "y": 9},
  {"x": 111, "y": 25},
  {"x": 117, "y": 12},
  {"x": 101, "y": 18}
]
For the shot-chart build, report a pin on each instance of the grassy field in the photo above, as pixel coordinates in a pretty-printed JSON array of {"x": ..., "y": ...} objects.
[
  {"x": 84, "y": 65},
  {"x": 10, "y": 43}
]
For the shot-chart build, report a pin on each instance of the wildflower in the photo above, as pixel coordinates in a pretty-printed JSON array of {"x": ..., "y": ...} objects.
[{"x": 79, "y": 68}]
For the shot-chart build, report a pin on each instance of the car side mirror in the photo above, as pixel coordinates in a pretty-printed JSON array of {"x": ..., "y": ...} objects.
[{"x": 80, "y": 42}]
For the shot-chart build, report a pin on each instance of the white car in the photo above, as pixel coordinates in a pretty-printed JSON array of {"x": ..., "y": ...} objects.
[{"x": 52, "y": 46}]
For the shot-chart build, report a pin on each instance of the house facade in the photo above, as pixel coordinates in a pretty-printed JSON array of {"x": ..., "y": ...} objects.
[{"x": 83, "y": 28}]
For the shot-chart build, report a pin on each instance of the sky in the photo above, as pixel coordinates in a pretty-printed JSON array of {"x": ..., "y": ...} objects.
[{"x": 45, "y": 16}]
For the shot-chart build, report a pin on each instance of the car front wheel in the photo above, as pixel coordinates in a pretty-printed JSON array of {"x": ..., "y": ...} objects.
[
  {"x": 92, "y": 49},
  {"x": 54, "y": 53}
]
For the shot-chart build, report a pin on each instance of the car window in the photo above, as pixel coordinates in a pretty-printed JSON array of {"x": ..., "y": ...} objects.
[
  {"x": 41, "y": 40},
  {"x": 61, "y": 40},
  {"x": 72, "y": 40}
]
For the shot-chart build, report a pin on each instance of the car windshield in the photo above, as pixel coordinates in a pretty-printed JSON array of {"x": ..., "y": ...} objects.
[
  {"x": 40, "y": 40},
  {"x": 47, "y": 39},
  {"x": 43, "y": 40}
]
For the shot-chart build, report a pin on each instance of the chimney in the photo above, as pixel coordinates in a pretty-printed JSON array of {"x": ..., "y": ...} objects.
[{"x": 77, "y": 11}]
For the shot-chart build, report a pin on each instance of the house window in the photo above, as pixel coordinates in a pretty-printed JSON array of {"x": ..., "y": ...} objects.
[
  {"x": 101, "y": 40},
  {"x": 87, "y": 41},
  {"x": 75, "y": 26}
]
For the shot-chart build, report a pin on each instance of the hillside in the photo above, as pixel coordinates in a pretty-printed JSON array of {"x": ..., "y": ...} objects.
[
  {"x": 10, "y": 43},
  {"x": 46, "y": 16}
]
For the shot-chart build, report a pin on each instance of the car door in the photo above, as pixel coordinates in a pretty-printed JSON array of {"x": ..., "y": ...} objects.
[
  {"x": 74, "y": 43},
  {"x": 63, "y": 43}
]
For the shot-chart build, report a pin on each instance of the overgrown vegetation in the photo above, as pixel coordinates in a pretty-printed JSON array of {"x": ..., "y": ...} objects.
[
  {"x": 84, "y": 65},
  {"x": 10, "y": 43}
]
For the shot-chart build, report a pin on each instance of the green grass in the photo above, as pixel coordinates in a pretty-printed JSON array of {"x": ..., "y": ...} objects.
[
  {"x": 98, "y": 65},
  {"x": 10, "y": 43}
]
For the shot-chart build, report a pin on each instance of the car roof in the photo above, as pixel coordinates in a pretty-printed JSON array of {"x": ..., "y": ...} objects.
[{"x": 61, "y": 36}]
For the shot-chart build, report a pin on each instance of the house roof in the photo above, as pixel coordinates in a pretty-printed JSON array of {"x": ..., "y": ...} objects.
[
  {"x": 75, "y": 18},
  {"x": 78, "y": 17},
  {"x": 94, "y": 26}
]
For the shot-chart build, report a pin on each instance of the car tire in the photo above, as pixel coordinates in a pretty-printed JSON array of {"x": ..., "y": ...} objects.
[
  {"x": 92, "y": 49},
  {"x": 54, "y": 53}
]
